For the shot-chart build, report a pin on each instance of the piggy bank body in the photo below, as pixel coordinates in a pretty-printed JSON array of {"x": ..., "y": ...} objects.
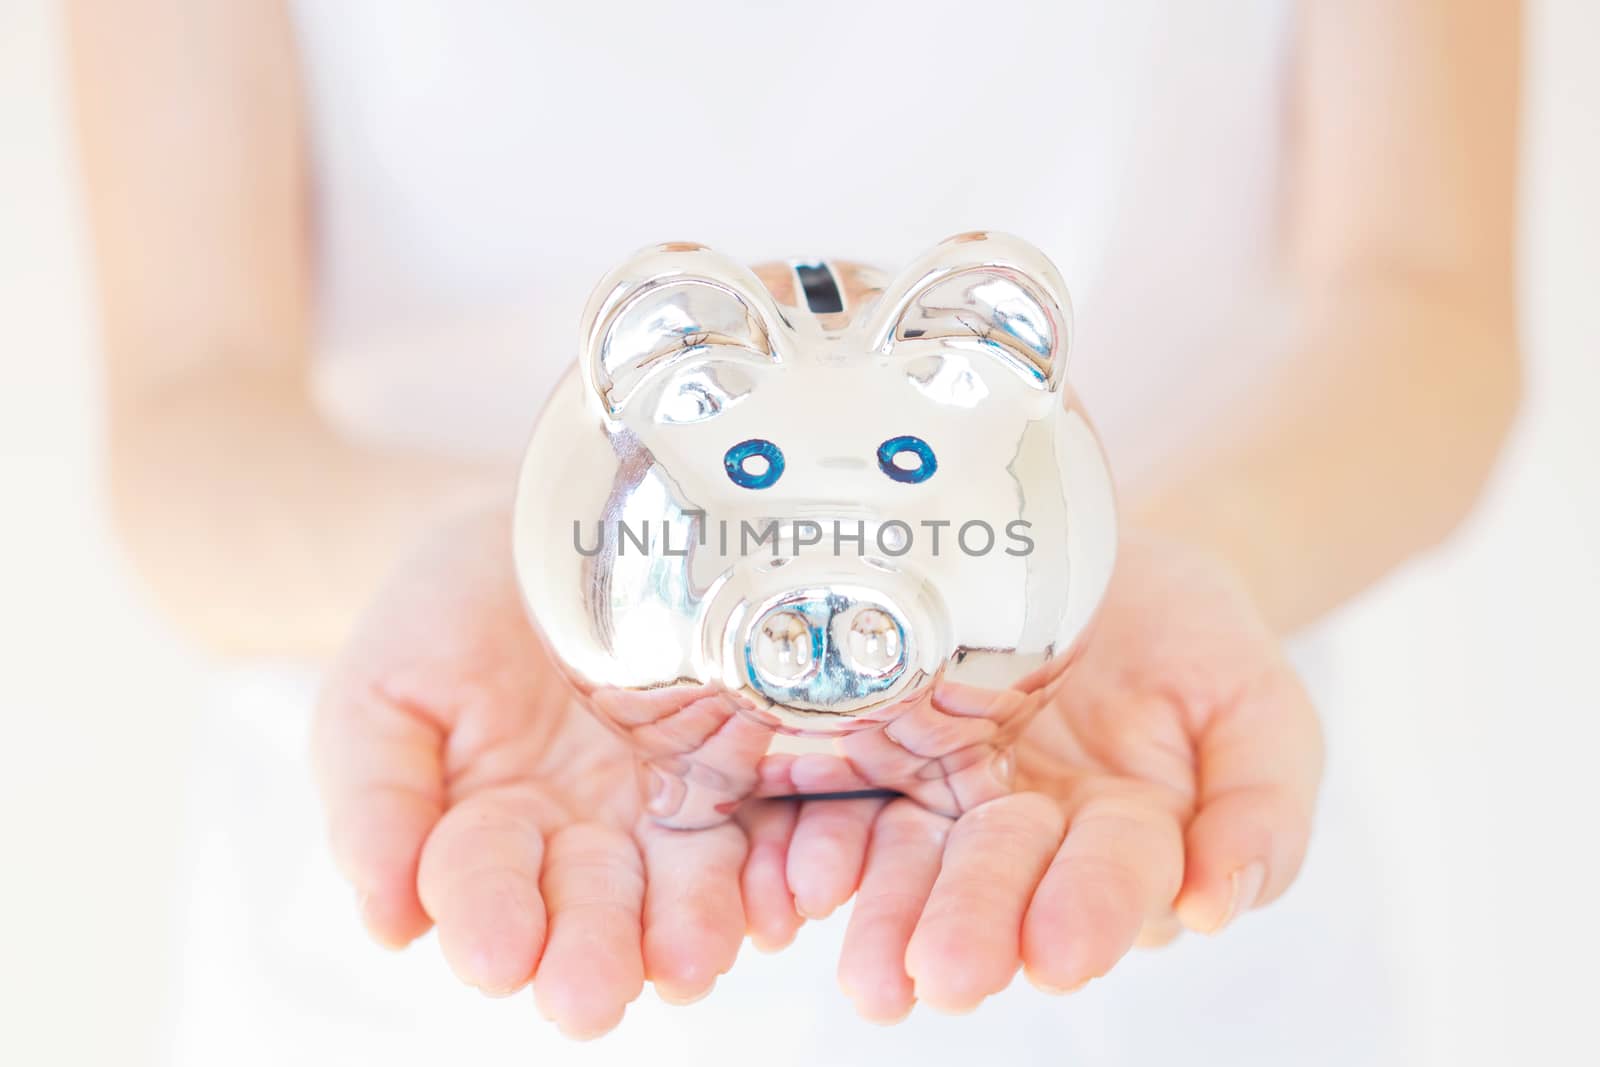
[{"x": 817, "y": 530}]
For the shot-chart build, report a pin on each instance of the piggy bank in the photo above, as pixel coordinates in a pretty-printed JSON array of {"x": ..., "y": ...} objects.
[{"x": 812, "y": 530}]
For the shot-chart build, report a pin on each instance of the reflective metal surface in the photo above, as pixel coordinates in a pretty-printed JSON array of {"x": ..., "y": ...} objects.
[{"x": 818, "y": 530}]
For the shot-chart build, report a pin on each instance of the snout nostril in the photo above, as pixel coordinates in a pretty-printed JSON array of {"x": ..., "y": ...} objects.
[
  {"x": 784, "y": 651},
  {"x": 875, "y": 641},
  {"x": 834, "y": 649}
]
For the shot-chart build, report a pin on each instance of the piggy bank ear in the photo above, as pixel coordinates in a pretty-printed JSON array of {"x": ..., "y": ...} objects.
[
  {"x": 668, "y": 304},
  {"x": 992, "y": 293}
]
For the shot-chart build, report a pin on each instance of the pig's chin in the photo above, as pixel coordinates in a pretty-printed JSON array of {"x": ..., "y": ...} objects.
[{"x": 832, "y": 716}]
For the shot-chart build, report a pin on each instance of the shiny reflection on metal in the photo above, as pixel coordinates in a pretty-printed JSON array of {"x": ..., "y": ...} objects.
[
  {"x": 829, "y": 652},
  {"x": 886, "y": 633},
  {"x": 785, "y": 651},
  {"x": 875, "y": 643}
]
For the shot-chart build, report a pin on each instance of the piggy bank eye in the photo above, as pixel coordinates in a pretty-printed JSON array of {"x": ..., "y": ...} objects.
[
  {"x": 754, "y": 464},
  {"x": 907, "y": 459}
]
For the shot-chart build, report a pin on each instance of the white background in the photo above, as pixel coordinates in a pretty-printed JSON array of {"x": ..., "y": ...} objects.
[{"x": 1476, "y": 685}]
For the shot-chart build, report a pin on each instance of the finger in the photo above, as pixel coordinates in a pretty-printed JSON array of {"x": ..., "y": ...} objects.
[
  {"x": 826, "y": 852},
  {"x": 1260, "y": 762},
  {"x": 1119, "y": 865},
  {"x": 946, "y": 761},
  {"x": 1159, "y": 932},
  {"x": 729, "y": 750},
  {"x": 693, "y": 917},
  {"x": 592, "y": 966},
  {"x": 769, "y": 910},
  {"x": 377, "y": 764},
  {"x": 479, "y": 880},
  {"x": 902, "y": 863},
  {"x": 397, "y": 690},
  {"x": 966, "y": 944}
]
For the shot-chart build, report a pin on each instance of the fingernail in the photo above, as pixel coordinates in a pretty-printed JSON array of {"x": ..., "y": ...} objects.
[
  {"x": 495, "y": 992},
  {"x": 879, "y": 1021},
  {"x": 854, "y": 997},
  {"x": 1056, "y": 990},
  {"x": 919, "y": 997},
  {"x": 767, "y": 946},
  {"x": 1247, "y": 884},
  {"x": 682, "y": 1000},
  {"x": 482, "y": 964}
]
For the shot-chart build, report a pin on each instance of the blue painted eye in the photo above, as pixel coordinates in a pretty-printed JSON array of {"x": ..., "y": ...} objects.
[
  {"x": 754, "y": 464},
  {"x": 896, "y": 447}
]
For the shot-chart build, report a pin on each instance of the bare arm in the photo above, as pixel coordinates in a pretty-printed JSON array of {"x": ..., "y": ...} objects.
[
  {"x": 259, "y": 528},
  {"x": 1377, "y": 437}
]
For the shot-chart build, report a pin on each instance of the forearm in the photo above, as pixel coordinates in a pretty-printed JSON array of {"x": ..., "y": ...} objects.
[
  {"x": 258, "y": 528},
  {"x": 1371, "y": 444}
]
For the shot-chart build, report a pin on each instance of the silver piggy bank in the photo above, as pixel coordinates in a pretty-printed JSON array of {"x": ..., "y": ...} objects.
[{"x": 813, "y": 530}]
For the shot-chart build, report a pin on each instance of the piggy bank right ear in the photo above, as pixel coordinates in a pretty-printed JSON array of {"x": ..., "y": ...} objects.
[
  {"x": 668, "y": 304},
  {"x": 989, "y": 292}
]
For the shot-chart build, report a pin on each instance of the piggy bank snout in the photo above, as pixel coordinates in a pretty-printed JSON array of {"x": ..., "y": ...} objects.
[{"x": 828, "y": 649}]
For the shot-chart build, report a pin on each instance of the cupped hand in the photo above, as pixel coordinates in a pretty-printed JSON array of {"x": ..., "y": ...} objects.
[
  {"x": 1171, "y": 780},
  {"x": 1169, "y": 783},
  {"x": 467, "y": 790}
]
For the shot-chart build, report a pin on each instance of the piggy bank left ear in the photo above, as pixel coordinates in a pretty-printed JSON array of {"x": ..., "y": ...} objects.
[
  {"x": 990, "y": 291},
  {"x": 670, "y": 303}
]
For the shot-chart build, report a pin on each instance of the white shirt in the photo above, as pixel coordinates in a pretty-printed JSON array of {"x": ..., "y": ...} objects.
[{"x": 478, "y": 167}]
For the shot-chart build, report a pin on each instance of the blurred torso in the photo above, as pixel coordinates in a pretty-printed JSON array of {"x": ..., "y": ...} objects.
[{"x": 478, "y": 168}]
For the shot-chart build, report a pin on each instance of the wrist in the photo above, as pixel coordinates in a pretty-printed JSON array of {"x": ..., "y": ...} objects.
[{"x": 1226, "y": 519}]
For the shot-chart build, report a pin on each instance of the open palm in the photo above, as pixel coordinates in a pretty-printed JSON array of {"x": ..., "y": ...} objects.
[
  {"x": 1171, "y": 780},
  {"x": 467, "y": 789}
]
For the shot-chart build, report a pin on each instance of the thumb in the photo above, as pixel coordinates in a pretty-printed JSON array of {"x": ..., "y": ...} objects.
[{"x": 1259, "y": 763}]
